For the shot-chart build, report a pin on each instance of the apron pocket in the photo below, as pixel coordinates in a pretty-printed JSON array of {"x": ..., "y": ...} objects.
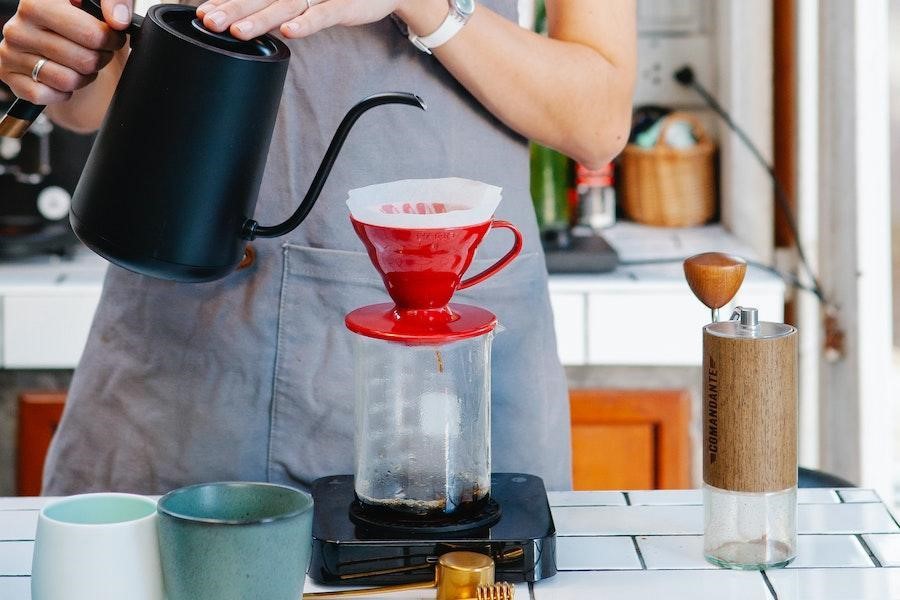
[{"x": 312, "y": 421}]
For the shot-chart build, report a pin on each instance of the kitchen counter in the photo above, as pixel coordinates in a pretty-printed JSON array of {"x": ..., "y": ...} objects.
[
  {"x": 639, "y": 314},
  {"x": 639, "y": 545}
]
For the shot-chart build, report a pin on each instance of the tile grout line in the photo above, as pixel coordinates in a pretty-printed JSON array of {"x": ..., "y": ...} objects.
[
  {"x": 675, "y": 534},
  {"x": 769, "y": 585},
  {"x": 868, "y": 550},
  {"x": 639, "y": 555},
  {"x": 16, "y": 540}
]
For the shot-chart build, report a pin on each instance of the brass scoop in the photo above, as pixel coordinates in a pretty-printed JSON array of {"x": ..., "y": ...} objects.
[{"x": 458, "y": 575}]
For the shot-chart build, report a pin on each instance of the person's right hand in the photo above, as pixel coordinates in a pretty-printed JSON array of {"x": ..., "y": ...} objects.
[{"x": 76, "y": 45}]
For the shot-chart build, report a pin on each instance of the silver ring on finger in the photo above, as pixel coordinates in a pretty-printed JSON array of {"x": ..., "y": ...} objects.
[{"x": 36, "y": 71}]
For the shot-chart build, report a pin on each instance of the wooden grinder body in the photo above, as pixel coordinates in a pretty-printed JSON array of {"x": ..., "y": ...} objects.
[{"x": 750, "y": 399}]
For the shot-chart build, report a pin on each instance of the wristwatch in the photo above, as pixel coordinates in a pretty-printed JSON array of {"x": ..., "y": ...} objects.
[{"x": 457, "y": 17}]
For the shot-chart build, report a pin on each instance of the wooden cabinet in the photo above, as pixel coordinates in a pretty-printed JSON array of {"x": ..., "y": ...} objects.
[
  {"x": 631, "y": 439},
  {"x": 39, "y": 416},
  {"x": 621, "y": 439}
]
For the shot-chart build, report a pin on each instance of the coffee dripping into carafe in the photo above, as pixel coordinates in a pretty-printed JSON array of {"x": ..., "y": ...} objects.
[
  {"x": 423, "y": 483},
  {"x": 171, "y": 184},
  {"x": 423, "y": 363}
]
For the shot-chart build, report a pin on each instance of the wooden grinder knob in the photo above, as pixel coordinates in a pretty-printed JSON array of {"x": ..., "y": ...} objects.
[{"x": 715, "y": 278}]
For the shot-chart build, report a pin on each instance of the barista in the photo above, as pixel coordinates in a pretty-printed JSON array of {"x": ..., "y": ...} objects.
[{"x": 249, "y": 377}]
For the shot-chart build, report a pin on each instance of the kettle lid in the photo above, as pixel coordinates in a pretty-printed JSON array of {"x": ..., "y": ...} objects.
[{"x": 182, "y": 21}]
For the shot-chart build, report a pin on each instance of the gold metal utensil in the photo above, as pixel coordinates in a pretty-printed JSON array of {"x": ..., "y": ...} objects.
[
  {"x": 496, "y": 591},
  {"x": 458, "y": 575}
]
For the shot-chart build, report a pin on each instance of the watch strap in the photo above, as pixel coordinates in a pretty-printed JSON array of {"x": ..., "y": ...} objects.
[{"x": 443, "y": 34}]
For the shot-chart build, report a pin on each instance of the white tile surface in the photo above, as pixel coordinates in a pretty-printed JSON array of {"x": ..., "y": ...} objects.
[
  {"x": 15, "y": 558},
  {"x": 586, "y": 498},
  {"x": 595, "y": 553},
  {"x": 18, "y": 524},
  {"x": 665, "y": 497},
  {"x": 17, "y": 588},
  {"x": 850, "y": 495},
  {"x": 676, "y": 566},
  {"x": 830, "y": 551},
  {"x": 35, "y": 503},
  {"x": 836, "y": 584},
  {"x": 628, "y": 520},
  {"x": 653, "y": 585},
  {"x": 886, "y": 547},
  {"x": 845, "y": 518},
  {"x": 673, "y": 552},
  {"x": 689, "y": 497},
  {"x": 686, "y": 552}
]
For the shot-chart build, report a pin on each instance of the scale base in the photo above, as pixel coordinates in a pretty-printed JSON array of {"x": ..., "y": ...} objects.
[{"x": 522, "y": 543}]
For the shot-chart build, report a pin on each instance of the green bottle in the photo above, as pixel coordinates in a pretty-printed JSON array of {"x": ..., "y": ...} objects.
[
  {"x": 550, "y": 171},
  {"x": 550, "y": 183}
]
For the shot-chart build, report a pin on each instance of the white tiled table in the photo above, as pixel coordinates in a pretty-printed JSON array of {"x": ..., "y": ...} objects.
[{"x": 638, "y": 545}]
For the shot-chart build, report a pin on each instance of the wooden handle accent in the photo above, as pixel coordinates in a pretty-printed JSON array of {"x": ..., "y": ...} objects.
[
  {"x": 714, "y": 277},
  {"x": 750, "y": 412}
]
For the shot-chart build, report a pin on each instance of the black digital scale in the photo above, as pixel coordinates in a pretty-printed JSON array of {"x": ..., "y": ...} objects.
[{"x": 345, "y": 551}]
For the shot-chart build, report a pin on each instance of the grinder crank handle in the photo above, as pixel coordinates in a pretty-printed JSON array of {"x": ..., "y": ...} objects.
[
  {"x": 22, "y": 113},
  {"x": 715, "y": 278}
]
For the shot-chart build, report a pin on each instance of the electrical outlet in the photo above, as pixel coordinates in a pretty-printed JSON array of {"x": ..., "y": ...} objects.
[{"x": 658, "y": 59}]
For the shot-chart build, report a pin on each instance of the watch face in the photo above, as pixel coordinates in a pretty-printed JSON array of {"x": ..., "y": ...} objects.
[{"x": 466, "y": 7}]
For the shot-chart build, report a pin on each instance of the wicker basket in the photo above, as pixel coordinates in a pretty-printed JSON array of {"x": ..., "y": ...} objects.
[{"x": 670, "y": 187}]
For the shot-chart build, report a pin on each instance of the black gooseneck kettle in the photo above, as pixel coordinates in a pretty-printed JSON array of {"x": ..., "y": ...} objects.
[{"x": 171, "y": 183}]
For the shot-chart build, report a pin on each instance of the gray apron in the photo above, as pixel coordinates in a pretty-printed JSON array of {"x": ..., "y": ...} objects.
[{"x": 251, "y": 377}]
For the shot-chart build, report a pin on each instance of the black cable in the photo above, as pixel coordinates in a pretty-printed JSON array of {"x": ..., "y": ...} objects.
[
  {"x": 790, "y": 279},
  {"x": 685, "y": 76}
]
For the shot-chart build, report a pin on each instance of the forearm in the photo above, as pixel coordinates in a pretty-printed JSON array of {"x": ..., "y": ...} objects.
[
  {"x": 84, "y": 112},
  {"x": 564, "y": 94}
]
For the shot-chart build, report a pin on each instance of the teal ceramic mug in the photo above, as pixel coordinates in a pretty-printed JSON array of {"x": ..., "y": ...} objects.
[{"x": 233, "y": 541}]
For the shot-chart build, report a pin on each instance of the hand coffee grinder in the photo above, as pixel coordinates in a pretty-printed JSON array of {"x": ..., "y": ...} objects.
[
  {"x": 750, "y": 400},
  {"x": 423, "y": 484}
]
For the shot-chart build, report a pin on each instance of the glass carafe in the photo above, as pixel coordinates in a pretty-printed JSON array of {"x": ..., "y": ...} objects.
[{"x": 423, "y": 426}]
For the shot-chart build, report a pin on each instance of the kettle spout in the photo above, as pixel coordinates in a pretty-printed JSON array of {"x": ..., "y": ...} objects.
[{"x": 252, "y": 229}]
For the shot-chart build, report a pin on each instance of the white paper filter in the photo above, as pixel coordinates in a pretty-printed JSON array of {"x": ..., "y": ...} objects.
[{"x": 425, "y": 203}]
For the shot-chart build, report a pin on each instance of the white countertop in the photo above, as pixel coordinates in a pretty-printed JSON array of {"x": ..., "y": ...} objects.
[
  {"x": 639, "y": 314},
  {"x": 639, "y": 545}
]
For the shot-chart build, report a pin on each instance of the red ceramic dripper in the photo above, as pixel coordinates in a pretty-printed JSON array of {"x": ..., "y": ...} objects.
[{"x": 422, "y": 269}]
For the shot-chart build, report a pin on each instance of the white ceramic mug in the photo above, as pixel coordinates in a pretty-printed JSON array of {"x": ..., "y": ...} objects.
[{"x": 97, "y": 547}]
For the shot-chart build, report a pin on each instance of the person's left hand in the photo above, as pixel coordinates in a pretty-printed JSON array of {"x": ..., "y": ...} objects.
[{"x": 247, "y": 19}]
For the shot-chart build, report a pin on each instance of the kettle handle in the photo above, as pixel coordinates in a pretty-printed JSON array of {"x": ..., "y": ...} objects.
[
  {"x": 252, "y": 229},
  {"x": 22, "y": 113}
]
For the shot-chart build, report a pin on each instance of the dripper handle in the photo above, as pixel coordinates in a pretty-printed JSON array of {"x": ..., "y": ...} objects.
[
  {"x": 715, "y": 278},
  {"x": 500, "y": 264}
]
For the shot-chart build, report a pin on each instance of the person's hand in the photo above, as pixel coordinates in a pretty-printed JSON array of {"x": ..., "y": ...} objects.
[
  {"x": 74, "y": 45},
  {"x": 247, "y": 19}
]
